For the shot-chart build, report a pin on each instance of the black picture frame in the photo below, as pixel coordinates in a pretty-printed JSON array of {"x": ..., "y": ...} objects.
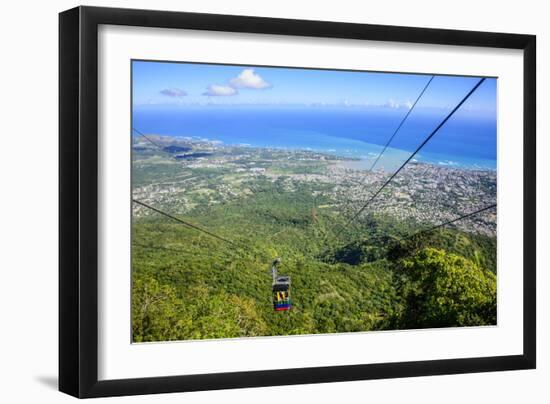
[{"x": 78, "y": 201}]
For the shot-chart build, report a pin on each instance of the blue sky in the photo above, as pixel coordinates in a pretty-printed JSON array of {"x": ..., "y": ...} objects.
[{"x": 185, "y": 84}]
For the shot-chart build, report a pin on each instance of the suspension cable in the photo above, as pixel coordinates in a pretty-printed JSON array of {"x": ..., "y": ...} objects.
[
  {"x": 190, "y": 225},
  {"x": 148, "y": 139},
  {"x": 203, "y": 230},
  {"x": 430, "y": 229},
  {"x": 401, "y": 124},
  {"x": 467, "y": 215},
  {"x": 412, "y": 155},
  {"x": 390, "y": 139}
]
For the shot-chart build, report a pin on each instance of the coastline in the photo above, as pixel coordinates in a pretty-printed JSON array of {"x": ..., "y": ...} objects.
[{"x": 350, "y": 158}]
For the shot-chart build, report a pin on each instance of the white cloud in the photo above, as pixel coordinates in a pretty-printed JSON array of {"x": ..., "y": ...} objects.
[
  {"x": 173, "y": 92},
  {"x": 249, "y": 79},
  {"x": 219, "y": 90},
  {"x": 396, "y": 104},
  {"x": 392, "y": 103}
]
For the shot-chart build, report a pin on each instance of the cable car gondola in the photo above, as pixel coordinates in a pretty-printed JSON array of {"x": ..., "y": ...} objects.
[{"x": 280, "y": 289}]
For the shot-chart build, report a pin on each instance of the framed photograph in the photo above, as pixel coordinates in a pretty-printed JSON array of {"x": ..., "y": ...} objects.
[{"x": 251, "y": 201}]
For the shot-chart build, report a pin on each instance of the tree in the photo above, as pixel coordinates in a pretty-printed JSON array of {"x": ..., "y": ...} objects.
[
  {"x": 158, "y": 314},
  {"x": 440, "y": 289},
  {"x": 154, "y": 310}
]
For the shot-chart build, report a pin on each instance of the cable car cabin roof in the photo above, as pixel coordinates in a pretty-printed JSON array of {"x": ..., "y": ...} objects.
[
  {"x": 281, "y": 287},
  {"x": 282, "y": 279}
]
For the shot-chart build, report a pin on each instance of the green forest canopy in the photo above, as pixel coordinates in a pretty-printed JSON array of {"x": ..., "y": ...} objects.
[{"x": 187, "y": 285}]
